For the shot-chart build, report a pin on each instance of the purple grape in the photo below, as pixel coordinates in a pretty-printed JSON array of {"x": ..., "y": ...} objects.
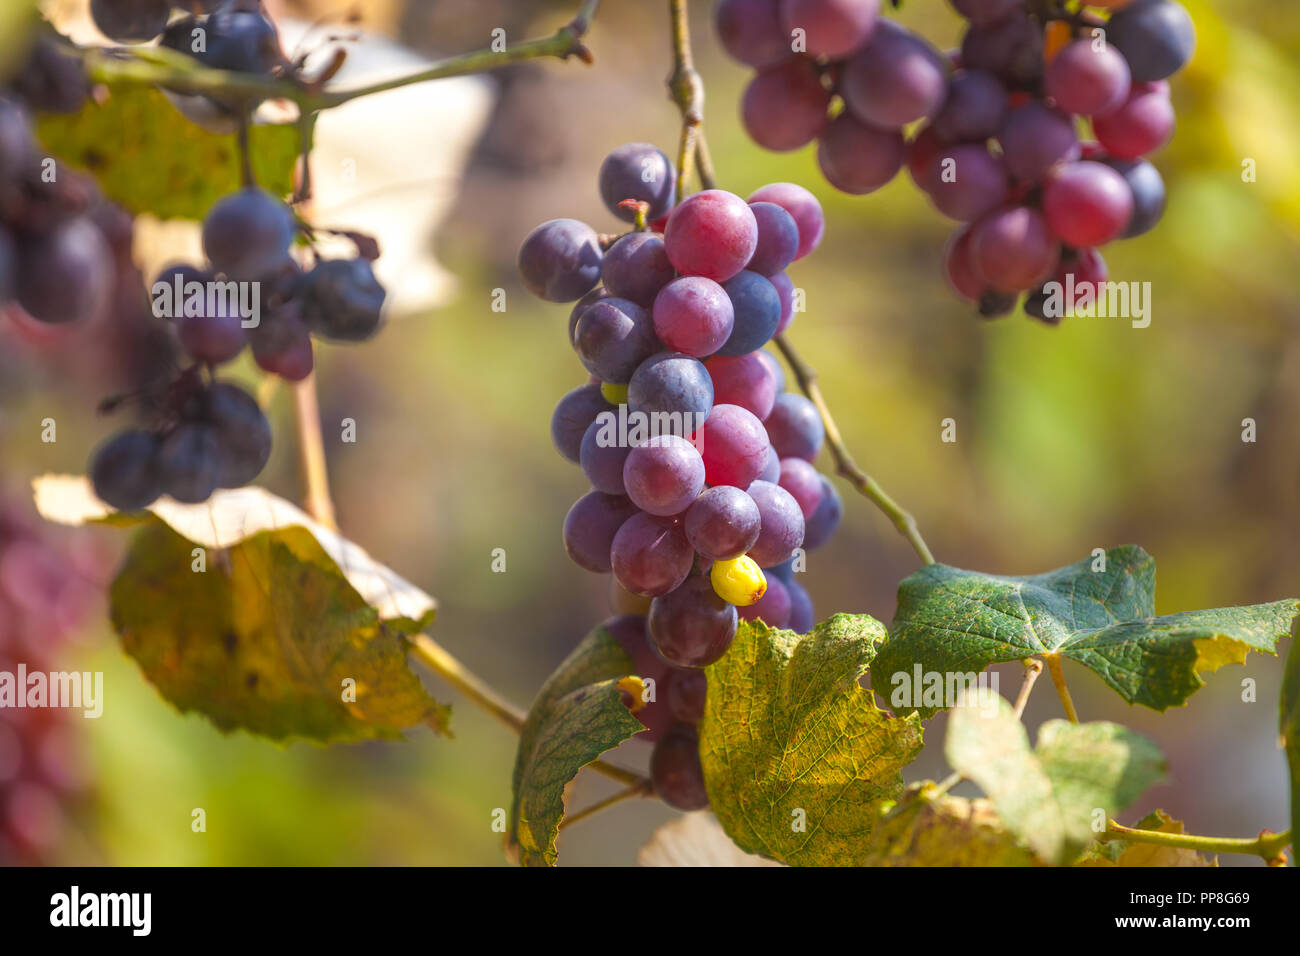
[
  {"x": 246, "y": 235},
  {"x": 560, "y": 260},
  {"x": 1156, "y": 37},
  {"x": 676, "y": 772},
  {"x": 974, "y": 110},
  {"x": 773, "y": 366},
  {"x": 243, "y": 432},
  {"x": 856, "y": 158},
  {"x": 124, "y": 471},
  {"x": 744, "y": 380},
  {"x": 282, "y": 346},
  {"x": 243, "y": 41},
  {"x": 671, "y": 383},
  {"x": 804, "y": 482},
  {"x": 590, "y": 526},
  {"x": 773, "y": 608},
  {"x": 832, "y": 28},
  {"x": 784, "y": 286},
  {"x": 1035, "y": 138},
  {"x": 650, "y": 555},
  {"x": 637, "y": 171},
  {"x": 782, "y": 524},
  {"x": 896, "y": 79},
  {"x": 757, "y": 308},
  {"x": 751, "y": 32},
  {"x": 214, "y": 334},
  {"x": 822, "y": 524},
  {"x": 784, "y": 106},
  {"x": 602, "y": 457},
  {"x": 723, "y": 523},
  {"x": 778, "y": 239},
  {"x": 772, "y": 467},
  {"x": 1011, "y": 48},
  {"x": 712, "y": 234},
  {"x": 802, "y": 616},
  {"x": 1148, "y": 190},
  {"x": 987, "y": 11},
  {"x": 1087, "y": 203},
  {"x": 614, "y": 336},
  {"x": 342, "y": 300},
  {"x": 693, "y": 315},
  {"x": 65, "y": 275},
  {"x": 1141, "y": 125},
  {"x": 734, "y": 446},
  {"x": 8, "y": 264},
  {"x": 637, "y": 268},
  {"x": 1087, "y": 79},
  {"x": 579, "y": 307},
  {"x": 1013, "y": 249},
  {"x": 17, "y": 149},
  {"x": 802, "y": 206},
  {"x": 130, "y": 21},
  {"x": 966, "y": 181},
  {"x": 692, "y": 626},
  {"x": 573, "y": 416},
  {"x": 630, "y": 632},
  {"x": 795, "y": 427},
  {"x": 664, "y": 475},
  {"x": 686, "y": 693},
  {"x": 190, "y": 463}
]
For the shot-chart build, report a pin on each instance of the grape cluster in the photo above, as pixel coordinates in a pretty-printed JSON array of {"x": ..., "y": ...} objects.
[
  {"x": 1032, "y": 134},
  {"x": 703, "y": 490},
  {"x": 46, "y": 589}
]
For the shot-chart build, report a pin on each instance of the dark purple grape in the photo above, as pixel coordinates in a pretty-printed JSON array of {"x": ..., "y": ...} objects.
[
  {"x": 966, "y": 181},
  {"x": 282, "y": 346},
  {"x": 242, "y": 41},
  {"x": 560, "y": 260},
  {"x": 784, "y": 286},
  {"x": 1011, "y": 48},
  {"x": 1148, "y": 189},
  {"x": 831, "y": 28},
  {"x": 573, "y": 416},
  {"x": 856, "y": 158},
  {"x": 637, "y": 268},
  {"x": 744, "y": 380},
  {"x": 802, "y": 617},
  {"x": 773, "y": 608},
  {"x": 975, "y": 108},
  {"x": 247, "y": 235},
  {"x": 52, "y": 80},
  {"x": 800, "y": 204},
  {"x": 650, "y": 555},
  {"x": 686, "y": 694},
  {"x": 602, "y": 457},
  {"x": 782, "y": 524},
  {"x": 804, "y": 482},
  {"x": 579, "y": 307},
  {"x": 1035, "y": 138},
  {"x": 125, "y": 473},
  {"x": 1087, "y": 79},
  {"x": 896, "y": 79},
  {"x": 987, "y": 11},
  {"x": 693, "y": 315},
  {"x": 8, "y": 265},
  {"x": 614, "y": 336},
  {"x": 676, "y": 772},
  {"x": 723, "y": 523},
  {"x": 65, "y": 275},
  {"x": 671, "y": 383},
  {"x": 778, "y": 239},
  {"x": 637, "y": 171},
  {"x": 1156, "y": 37},
  {"x": 784, "y": 106},
  {"x": 795, "y": 427},
  {"x": 664, "y": 475},
  {"x": 692, "y": 626},
  {"x": 822, "y": 524},
  {"x": 712, "y": 234},
  {"x": 342, "y": 300},
  {"x": 757, "y": 308},
  {"x": 772, "y": 467},
  {"x": 191, "y": 464},
  {"x": 734, "y": 446},
  {"x": 751, "y": 32},
  {"x": 130, "y": 21},
  {"x": 17, "y": 150},
  {"x": 243, "y": 431},
  {"x": 590, "y": 526}
]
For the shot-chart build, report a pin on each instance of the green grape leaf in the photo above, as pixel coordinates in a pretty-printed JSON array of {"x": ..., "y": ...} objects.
[
  {"x": 1053, "y": 796},
  {"x": 797, "y": 756},
  {"x": 1126, "y": 853},
  {"x": 187, "y": 169},
  {"x": 925, "y": 829},
  {"x": 247, "y": 611},
  {"x": 1099, "y": 612},
  {"x": 578, "y": 715},
  {"x": 1291, "y": 729}
]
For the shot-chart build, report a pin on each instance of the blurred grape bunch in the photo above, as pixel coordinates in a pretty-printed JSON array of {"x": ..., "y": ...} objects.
[{"x": 47, "y": 588}]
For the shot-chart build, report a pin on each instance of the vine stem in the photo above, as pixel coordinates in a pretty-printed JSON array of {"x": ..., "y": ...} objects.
[
  {"x": 846, "y": 466},
  {"x": 641, "y": 789},
  {"x": 1267, "y": 846},
  {"x": 687, "y": 91},
  {"x": 1033, "y": 667},
  {"x": 311, "y": 454},
  {"x": 1062, "y": 689}
]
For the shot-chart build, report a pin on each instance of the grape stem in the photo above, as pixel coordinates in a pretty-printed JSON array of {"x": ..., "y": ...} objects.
[
  {"x": 641, "y": 789},
  {"x": 687, "y": 91},
  {"x": 311, "y": 454},
  {"x": 1062, "y": 690},
  {"x": 847, "y": 467},
  {"x": 1268, "y": 846}
]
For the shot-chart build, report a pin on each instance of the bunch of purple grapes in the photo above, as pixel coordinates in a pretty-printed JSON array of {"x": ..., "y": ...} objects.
[
  {"x": 1035, "y": 145},
  {"x": 703, "y": 495},
  {"x": 46, "y": 590}
]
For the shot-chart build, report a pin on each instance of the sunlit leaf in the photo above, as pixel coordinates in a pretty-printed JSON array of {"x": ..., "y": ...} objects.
[{"x": 925, "y": 829}]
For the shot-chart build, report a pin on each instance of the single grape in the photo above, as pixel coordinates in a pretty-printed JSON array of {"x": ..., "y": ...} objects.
[
  {"x": 802, "y": 617},
  {"x": 1157, "y": 38},
  {"x": 342, "y": 300},
  {"x": 247, "y": 235},
  {"x": 676, "y": 772},
  {"x": 744, "y": 380},
  {"x": 1077, "y": 280},
  {"x": 722, "y": 523},
  {"x": 751, "y": 31},
  {"x": 802, "y": 206},
  {"x": 664, "y": 475},
  {"x": 922, "y": 151},
  {"x": 637, "y": 171},
  {"x": 778, "y": 239},
  {"x": 773, "y": 608},
  {"x": 773, "y": 366},
  {"x": 1010, "y": 47},
  {"x": 692, "y": 626},
  {"x": 831, "y": 28},
  {"x": 242, "y": 430},
  {"x": 560, "y": 260},
  {"x": 1087, "y": 203},
  {"x": 856, "y": 158},
  {"x": 650, "y": 555},
  {"x": 772, "y": 467},
  {"x": 65, "y": 275},
  {"x": 282, "y": 346},
  {"x": 671, "y": 383},
  {"x": 804, "y": 482},
  {"x": 784, "y": 106},
  {"x": 242, "y": 41},
  {"x": 208, "y": 328},
  {"x": 573, "y": 416},
  {"x": 739, "y": 580},
  {"x": 782, "y": 524},
  {"x": 685, "y": 694},
  {"x": 733, "y": 444},
  {"x": 961, "y": 274},
  {"x": 895, "y": 79},
  {"x": 17, "y": 149},
  {"x": 795, "y": 427},
  {"x": 636, "y": 268},
  {"x": 579, "y": 307},
  {"x": 784, "y": 287},
  {"x": 1035, "y": 138},
  {"x": 1087, "y": 78},
  {"x": 590, "y": 526},
  {"x": 130, "y": 21},
  {"x": 614, "y": 336},
  {"x": 1148, "y": 189},
  {"x": 52, "y": 79},
  {"x": 712, "y": 234},
  {"x": 693, "y": 315},
  {"x": 124, "y": 471},
  {"x": 822, "y": 524},
  {"x": 966, "y": 181},
  {"x": 983, "y": 12},
  {"x": 974, "y": 110},
  {"x": 191, "y": 463},
  {"x": 1013, "y": 249},
  {"x": 1142, "y": 124},
  {"x": 757, "y": 308},
  {"x": 602, "y": 457}
]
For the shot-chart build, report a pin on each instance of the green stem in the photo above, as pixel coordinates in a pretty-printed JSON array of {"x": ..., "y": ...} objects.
[
  {"x": 642, "y": 789},
  {"x": 1062, "y": 689},
  {"x": 687, "y": 91},
  {"x": 1267, "y": 846}
]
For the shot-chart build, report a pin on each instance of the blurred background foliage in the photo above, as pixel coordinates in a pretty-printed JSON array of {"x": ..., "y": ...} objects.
[{"x": 1088, "y": 435}]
